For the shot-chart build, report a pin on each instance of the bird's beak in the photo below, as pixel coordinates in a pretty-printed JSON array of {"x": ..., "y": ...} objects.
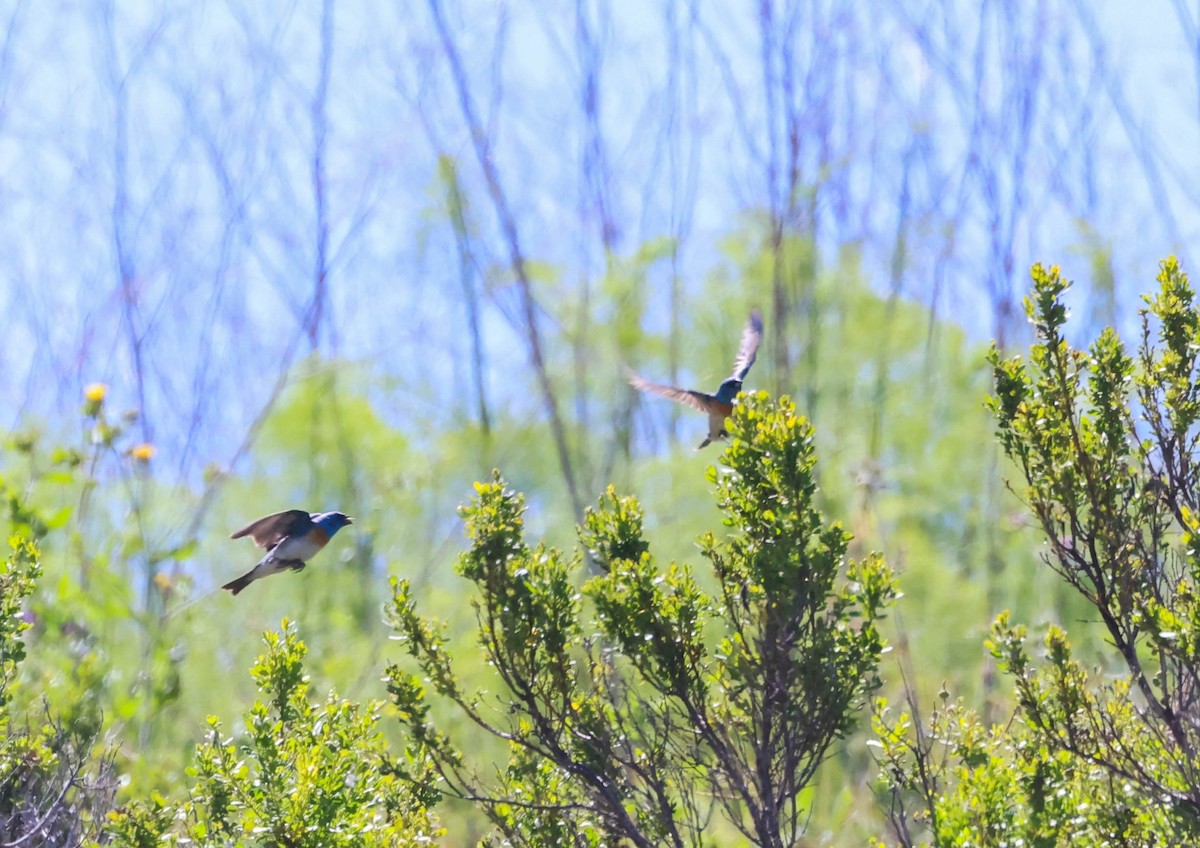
[{"x": 349, "y": 520}]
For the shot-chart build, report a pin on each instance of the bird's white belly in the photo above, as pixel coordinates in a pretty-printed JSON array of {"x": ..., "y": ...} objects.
[
  {"x": 301, "y": 549},
  {"x": 716, "y": 423}
]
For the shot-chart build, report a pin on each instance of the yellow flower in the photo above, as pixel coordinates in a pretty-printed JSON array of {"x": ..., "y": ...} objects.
[
  {"x": 143, "y": 452},
  {"x": 93, "y": 396}
]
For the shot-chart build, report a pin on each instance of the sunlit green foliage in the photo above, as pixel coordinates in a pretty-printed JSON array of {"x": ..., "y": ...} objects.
[
  {"x": 636, "y": 702},
  {"x": 52, "y": 788},
  {"x": 107, "y": 653},
  {"x": 1105, "y": 445},
  {"x": 303, "y": 774}
]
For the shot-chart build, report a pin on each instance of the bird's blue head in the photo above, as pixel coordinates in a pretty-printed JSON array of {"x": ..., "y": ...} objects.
[
  {"x": 331, "y": 522},
  {"x": 729, "y": 390}
]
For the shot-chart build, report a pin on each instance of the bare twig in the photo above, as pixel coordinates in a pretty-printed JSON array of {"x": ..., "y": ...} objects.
[{"x": 517, "y": 260}]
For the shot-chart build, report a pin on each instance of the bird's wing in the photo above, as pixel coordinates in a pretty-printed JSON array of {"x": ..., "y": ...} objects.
[
  {"x": 751, "y": 337},
  {"x": 696, "y": 400},
  {"x": 267, "y": 532}
]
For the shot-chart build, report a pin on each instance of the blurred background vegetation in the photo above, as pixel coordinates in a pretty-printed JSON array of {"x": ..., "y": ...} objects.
[{"x": 275, "y": 257}]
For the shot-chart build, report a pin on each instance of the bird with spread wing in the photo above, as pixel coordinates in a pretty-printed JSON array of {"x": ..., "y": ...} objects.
[
  {"x": 717, "y": 406},
  {"x": 291, "y": 538}
]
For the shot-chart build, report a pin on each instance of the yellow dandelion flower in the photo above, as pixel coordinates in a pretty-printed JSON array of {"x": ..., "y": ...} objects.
[
  {"x": 93, "y": 397},
  {"x": 143, "y": 452}
]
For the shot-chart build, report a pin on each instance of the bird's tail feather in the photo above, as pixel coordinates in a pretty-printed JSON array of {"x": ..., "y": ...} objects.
[{"x": 240, "y": 583}]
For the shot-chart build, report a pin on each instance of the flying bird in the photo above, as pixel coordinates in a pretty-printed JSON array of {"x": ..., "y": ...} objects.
[
  {"x": 291, "y": 538},
  {"x": 719, "y": 406}
]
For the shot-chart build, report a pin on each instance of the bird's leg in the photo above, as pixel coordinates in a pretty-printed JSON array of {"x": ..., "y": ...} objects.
[{"x": 295, "y": 564}]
